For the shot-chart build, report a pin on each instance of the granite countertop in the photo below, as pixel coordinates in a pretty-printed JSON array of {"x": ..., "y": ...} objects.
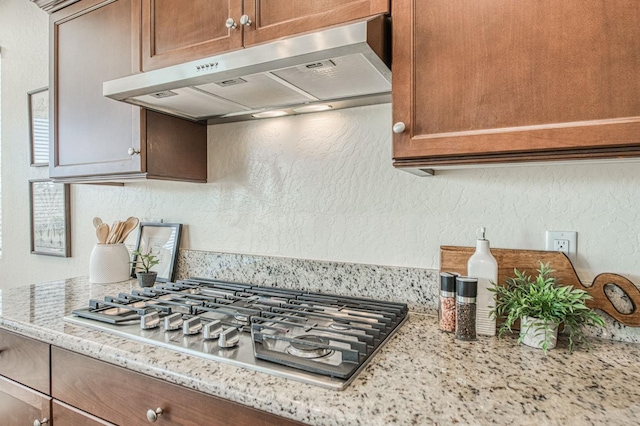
[{"x": 421, "y": 376}]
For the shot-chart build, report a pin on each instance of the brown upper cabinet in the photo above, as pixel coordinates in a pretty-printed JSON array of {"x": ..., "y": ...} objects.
[
  {"x": 93, "y": 138},
  {"x": 514, "y": 81},
  {"x": 174, "y": 32}
]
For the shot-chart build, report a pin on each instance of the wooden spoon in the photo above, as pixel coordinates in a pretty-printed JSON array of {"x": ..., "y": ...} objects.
[
  {"x": 96, "y": 222},
  {"x": 129, "y": 225},
  {"x": 102, "y": 232}
]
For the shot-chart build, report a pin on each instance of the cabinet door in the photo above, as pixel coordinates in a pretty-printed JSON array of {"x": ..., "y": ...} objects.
[
  {"x": 174, "y": 32},
  {"x": 272, "y": 19},
  {"x": 67, "y": 415},
  {"x": 20, "y": 405},
  {"x": 24, "y": 360},
  {"x": 505, "y": 81},
  {"x": 91, "y": 42}
]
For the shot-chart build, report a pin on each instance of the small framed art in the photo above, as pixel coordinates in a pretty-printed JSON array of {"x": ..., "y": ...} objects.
[
  {"x": 50, "y": 218},
  {"x": 162, "y": 240}
]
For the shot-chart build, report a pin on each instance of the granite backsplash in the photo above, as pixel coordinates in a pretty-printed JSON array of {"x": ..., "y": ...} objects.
[{"x": 416, "y": 287}]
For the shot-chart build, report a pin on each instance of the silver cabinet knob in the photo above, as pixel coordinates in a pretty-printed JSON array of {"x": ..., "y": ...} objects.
[
  {"x": 152, "y": 415},
  {"x": 133, "y": 151},
  {"x": 399, "y": 127},
  {"x": 44, "y": 421},
  {"x": 231, "y": 24},
  {"x": 245, "y": 20}
]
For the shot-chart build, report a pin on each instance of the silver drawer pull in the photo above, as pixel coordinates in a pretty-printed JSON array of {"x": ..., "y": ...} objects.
[
  {"x": 152, "y": 416},
  {"x": 44, "y": 421},
  {"x": 133, "y": 151}
]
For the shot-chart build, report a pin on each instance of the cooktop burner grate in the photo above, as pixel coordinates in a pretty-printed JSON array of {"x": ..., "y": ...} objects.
[{"x": 317, "y": 338}]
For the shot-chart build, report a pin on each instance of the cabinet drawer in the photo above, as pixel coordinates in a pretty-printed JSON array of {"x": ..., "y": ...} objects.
[
  {"x": 24, "y": 360},
  {"x": 67, "y": 415},
  {"x": 124, "y": 397},
  {"x": 20, "y": 405}
]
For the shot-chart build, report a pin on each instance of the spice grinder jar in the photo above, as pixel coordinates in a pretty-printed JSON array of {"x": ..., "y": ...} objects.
[
  {"x": 447, "y": 303},
  {"x": 466, "y": 295}
]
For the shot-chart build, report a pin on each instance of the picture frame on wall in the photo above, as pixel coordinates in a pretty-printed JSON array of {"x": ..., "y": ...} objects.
[
  {"x": 163, "y": 241},
  {"x": 39, "y": 126},
  {"x": 50, "y": 218}
]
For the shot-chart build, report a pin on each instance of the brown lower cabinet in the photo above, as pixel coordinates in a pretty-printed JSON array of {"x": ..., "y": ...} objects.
[
  {"x": 20, "y": 405},
  {"x": 124, "y": 397},
  {"x": 54, "y": 386}
]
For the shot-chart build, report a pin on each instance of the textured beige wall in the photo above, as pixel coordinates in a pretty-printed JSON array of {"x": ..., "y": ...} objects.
[{"x": 318, "y": 186}]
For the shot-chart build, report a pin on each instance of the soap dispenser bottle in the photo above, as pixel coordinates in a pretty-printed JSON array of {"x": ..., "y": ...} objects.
[{"x": 483, "y": 266}]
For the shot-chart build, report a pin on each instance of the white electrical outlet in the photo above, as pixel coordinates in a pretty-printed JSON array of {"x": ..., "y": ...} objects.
[{"x": 564, "y": 241}]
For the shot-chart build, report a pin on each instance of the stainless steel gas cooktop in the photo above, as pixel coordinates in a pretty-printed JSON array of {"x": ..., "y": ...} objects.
[{"x": 315, "y": 338}]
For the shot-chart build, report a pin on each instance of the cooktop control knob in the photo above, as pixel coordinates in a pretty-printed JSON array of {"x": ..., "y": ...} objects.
[
  {"x": 229, "y": 338},
  {"x": 212, "y": 330},
  {"x": 150, "y": 320},
  {"x": 191, "y": 326},
  {"x": 173, "y": 321}
]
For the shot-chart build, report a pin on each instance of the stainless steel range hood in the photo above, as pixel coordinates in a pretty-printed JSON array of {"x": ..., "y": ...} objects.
[{"x": 340, "y": 67}]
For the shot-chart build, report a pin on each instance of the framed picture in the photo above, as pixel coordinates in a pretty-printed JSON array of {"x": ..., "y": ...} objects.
[
  {"x": 162, "y": 240},
  {"x": 39, "y": 126},
  {"x": 50, "y": 218}
]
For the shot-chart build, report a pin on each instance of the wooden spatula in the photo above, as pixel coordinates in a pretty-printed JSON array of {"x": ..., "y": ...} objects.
[
  {"x": 129, "y": 225},
  {"x": 102, "y": 232}
]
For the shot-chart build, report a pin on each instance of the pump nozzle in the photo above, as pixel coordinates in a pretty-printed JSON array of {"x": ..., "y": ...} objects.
[{"x": 481, "y": 232}]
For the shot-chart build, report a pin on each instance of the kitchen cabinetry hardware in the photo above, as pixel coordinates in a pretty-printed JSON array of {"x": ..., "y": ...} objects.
[
  {"x": 133, "y": 151},
  {"x": 245, "y": 20},
  {"x": 231, "y": 24},
  {"x": 44, "y": 421},
  {"x": 399, "y": 127},
  {"x": 152, "y": 415}
]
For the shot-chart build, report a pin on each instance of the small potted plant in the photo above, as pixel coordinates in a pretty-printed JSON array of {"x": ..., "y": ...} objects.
[
  {"x": 542, "y": 305},
  {"x": 144, "y": 263}
]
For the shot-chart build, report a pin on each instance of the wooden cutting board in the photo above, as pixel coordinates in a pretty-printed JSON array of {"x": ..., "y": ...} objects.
[{"x": 454, "y": 259}]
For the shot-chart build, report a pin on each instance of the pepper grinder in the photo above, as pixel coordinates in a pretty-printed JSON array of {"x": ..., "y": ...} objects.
[{"x": 466, "y": 294}]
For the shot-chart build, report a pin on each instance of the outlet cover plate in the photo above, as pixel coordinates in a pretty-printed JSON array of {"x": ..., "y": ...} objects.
[{"x": 564, "y": 236}]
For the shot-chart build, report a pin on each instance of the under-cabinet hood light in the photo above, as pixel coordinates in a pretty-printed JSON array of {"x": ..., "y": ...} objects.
[
  {"x": 269, "y": 114},
  {"x": 312, "y": 108},
  {"x": 343, "y": 66}
]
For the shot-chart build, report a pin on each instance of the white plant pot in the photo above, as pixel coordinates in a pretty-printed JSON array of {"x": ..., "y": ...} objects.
[
  {"x": 534, "y": 330},
  {"x": 109, "y": 263}
]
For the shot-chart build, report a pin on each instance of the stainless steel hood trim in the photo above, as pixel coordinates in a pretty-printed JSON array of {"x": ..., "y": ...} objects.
[{"x": 330, "y": 43}]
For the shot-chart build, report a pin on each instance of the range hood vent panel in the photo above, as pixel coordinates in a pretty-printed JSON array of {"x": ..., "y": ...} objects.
[
  {"x": 258, "y": 91},
  {"x": 340, "y": 64},
  {"x": 349, "y": 76},
  {"x": 191, "y": 104}
]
